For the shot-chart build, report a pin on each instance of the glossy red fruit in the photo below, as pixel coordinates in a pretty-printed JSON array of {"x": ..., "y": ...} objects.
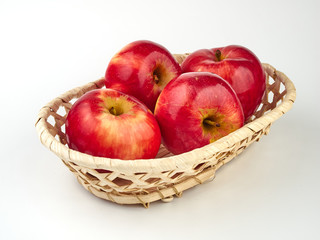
[
  {"x": 237, "y": 65},
  {"x": 108, "y": 123},
  {"x": 142, "y": 69},
  {"x": 197, "y": 109}
]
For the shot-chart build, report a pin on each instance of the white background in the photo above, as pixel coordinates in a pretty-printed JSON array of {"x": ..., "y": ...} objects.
[{"x": 271, "y": 191}]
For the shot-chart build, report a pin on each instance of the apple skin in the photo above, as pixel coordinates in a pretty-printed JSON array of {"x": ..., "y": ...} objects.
[
  {"x": 238, "y": 66},
  {"x": 196, "y": 109},
  {"x": 108, "y": 123},
  {"x": 142, "y": 69}
]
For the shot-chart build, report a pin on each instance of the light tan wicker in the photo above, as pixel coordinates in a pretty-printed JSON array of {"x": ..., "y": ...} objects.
[{"x": 145, "y": 181}]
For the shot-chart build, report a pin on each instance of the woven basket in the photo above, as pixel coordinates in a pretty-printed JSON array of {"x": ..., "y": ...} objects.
[{"x": 145, "y": 181}]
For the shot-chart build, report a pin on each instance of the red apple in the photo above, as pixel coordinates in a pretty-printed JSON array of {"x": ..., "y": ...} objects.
[
  {"x": 196, "y": 109},
  {"x": 237, "y": 65},
  {"x": 142, "y": 69},
  {"x": 108, "y": 123}
]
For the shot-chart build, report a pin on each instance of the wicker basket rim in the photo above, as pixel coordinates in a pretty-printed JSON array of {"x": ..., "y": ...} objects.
[{"x": 181, "y": 161}]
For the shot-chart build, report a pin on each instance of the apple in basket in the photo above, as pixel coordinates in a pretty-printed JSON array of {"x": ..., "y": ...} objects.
[
  {"x": 238, "y": 66},
  {"x": 108, "y": 123},
  {"x": 142, "y": 69},
  {"x": 196, "y": 109}
]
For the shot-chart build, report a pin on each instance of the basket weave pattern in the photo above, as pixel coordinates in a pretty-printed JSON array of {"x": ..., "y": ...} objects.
[{"x": 145, "y": 181}]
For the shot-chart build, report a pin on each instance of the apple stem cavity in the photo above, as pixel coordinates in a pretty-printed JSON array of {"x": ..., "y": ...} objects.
[
  {"x": 157, "y": 74},
  {"x": 209, "y": 123},
  {"x": 218, "y": 55},
  {"x": 156, "y": 78},
  {"x": 113, "y": 111}
]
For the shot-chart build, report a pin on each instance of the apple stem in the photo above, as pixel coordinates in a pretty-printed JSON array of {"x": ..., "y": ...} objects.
[
  {"x": 156, "y": 78},
  {"x": 218, "y": 55},
  {"x": 211, "y": 123},
  {"x": 113, "y": 111}
]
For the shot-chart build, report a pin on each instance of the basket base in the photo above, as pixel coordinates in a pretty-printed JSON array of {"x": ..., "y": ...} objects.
[{"x": 166, "y": 194}]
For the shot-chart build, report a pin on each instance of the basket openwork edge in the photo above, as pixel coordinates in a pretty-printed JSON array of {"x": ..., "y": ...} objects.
[{"x": 147, "y": 180}]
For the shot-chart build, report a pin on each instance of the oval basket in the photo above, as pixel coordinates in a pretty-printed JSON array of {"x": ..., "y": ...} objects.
[{"x": 145, "y": 181}]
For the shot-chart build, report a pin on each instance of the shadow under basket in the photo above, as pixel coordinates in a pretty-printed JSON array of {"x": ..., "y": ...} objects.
[{"x": 166, "y": 176}]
